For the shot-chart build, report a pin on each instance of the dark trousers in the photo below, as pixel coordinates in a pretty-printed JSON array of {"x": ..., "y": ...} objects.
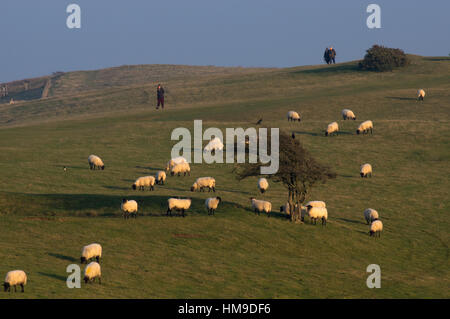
[{"x": 160, "y": 102}]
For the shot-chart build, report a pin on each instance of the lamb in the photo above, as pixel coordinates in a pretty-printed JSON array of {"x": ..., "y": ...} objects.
[
  {"x": 316, "y": 213},
  {"x": 181, "y": 168},
  {"x": 332, "y": 128},
  {"x": 263, "y": 185},
  {"x": 92, "y": 271},
  {"x": 160, "y": 177},
  {"x": 376, "y": 227},
  {"x": 370, "y": 215},
  {"x": 261, "y": 206},
  {"x": 174, "y": 161},
  {"x": 214, "y": 145},
  {"x": 203, "y": 182},
  {"x": 15, "y": 278},
  {"x": 129, "y": 207},
  {"x": 178, "y": 204},
  {"x": 91, "y": 251},
  {"x": 365, "y": 170},
  {"x": 364, "y": 127},
  {"x": 420, "y": 95},
  {"x": 348, "y": 114},
  {"x": 211, "y": 204},
  {"x": 95, "y": 162},
  {"x": 144, "y": 181},
  {"x": 293, "y": 116}
]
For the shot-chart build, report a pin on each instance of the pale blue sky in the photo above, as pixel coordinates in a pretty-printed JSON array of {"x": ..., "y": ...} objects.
[{"x": 36, "y": 41}]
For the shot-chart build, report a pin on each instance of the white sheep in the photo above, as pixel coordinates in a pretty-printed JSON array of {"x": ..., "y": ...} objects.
[
  {"x": 263, "y": 185},
  {"x": 332, "y": 128},
  {"x": 174, "y": 161},
  {"x": 348, "y": 114},
  {"x": 91, "y": 251},
  {"x": 178, "y": 204},
  {"x": 204, "y": 182},
  {"x": 15, "y": 278},
  {"x": 144, "y": 181},
  {"x": 365, "y": 170},
  {"x": 92, "y": 271},
  {"x": 420, "y": 94},
  {"x": 95, "y": 162},
  {"x": 293, "y": 116},
  {"x": 160, "y": 177},
  {"x": 211, "y": 204},
  {"x": 316, "y": 213},
  {"x": 370, "y": 215},
  {"x": 286, "y": 208},
  {"x": 214, "y": 145},
  {"x": 129, "y": 207},
  {"x": 376, "y": 227},
  {"x": 316, "y": 203},
  {"x": 261, "y": 206},
  {"x": 181, "y": 168},
  {"x": 364, "y": 127}
]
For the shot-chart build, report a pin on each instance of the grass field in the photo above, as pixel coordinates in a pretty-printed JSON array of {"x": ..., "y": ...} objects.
[{"x": 47, "y": 215}]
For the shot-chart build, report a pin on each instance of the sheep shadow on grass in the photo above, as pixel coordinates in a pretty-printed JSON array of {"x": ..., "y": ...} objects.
[
  {"x": 54, "y": 276},
  {"x": 63, "y": 257},
  {"x": 346, "y": 220},
  {"x": 401, "y": 98}
]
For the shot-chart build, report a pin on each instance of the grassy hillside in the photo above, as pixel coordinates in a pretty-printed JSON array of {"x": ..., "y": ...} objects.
[{"x": 47, "y": 215}]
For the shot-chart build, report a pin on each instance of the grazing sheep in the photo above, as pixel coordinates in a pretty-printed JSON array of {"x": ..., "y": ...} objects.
[
  {"x": 263, "y": 185},
  {"x": 95, "y": 162},
  {"x": 175, "y": 161},
  {"x": 420, "y": 95},
  {"x": 214, "y": 145},
  {"x": 365, "y": 170},
  {"x": 160, "y": 177},
  {"x": 178, "y": 169},
  {"x": 211, "y": 204},
  {"x": 144, "y": 181},
  {"x": 293, "y": 116},
  {"x": 203, "y": 182},
  {"x": 316, "y": 213},
  {"x": 364, "y": 127},
  {"x": 286, "y": 208},
  {"x": 129, "y": 207},
  {"x": 15, "y": 278},
  {"x": 261, "y": 206},
  {"x": 92, "y": 271},
  {"x": 348, "y": 114},
  {"x": 370, "y": 215},
  {"x": 91, "y": 251},
  {"x": 178, "y": 204},
  {"x": 332, "y": 128},
  {"x": 376, "y": 227},
  {"x": 316, "y": 203}
]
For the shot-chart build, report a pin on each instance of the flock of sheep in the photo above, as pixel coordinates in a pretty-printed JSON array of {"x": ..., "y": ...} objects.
[{"x": 315, "y": 210}]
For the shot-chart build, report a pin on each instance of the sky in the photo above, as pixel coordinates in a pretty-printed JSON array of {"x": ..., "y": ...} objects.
[{"x": 251, "y": 33}]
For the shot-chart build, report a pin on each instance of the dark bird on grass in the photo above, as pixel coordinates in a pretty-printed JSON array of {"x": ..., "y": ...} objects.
[{"x": 259, "y": 122}]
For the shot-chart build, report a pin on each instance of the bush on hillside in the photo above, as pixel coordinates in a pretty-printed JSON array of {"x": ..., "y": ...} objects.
[{"x": 379, "y": 58}]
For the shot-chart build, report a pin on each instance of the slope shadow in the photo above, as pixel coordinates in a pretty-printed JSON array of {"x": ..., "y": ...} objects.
[
  {"x": 345, "y": 68},
  {"x": 401, "y": 98},
  {"x": 350, "y": 220},
  {"x": 151, "y": 168},
  {"x": 63, "y": 257},
  {"x": 54, "y": 276}
]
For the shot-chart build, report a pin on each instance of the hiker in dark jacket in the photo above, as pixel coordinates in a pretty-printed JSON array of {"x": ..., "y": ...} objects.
[
  {"x": 160, "y": 95},
  {"x": 326, "y": 56},
  {"x": 332, "y": 55}
]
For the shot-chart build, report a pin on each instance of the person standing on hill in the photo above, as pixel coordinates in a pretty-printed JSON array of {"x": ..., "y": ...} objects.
[
  {"x": 326, "y": 56},
  {"x": 160, "y": 96},
  {"x": 332, "y": 53}
]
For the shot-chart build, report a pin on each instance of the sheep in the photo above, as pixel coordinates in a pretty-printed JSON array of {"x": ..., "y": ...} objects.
[
  {"x": 365, "y": 170},
  {"x": 144, "y": 181},
  {"x": 316, "y": 213},
  {"x": 293, "y": 116},
  {"x": 348, "y": 114},
  {"x": 420, "y": 95},
  {"x": 95, "y": 162},
  {"x": 160, "y": 177},
  {"x": 174, "y": 161},
  {"x": 286, "y": 208},
  {"x": 14, "y": 278},
  {"x": 332, "y": 128},
  {"x": 214, "y": 145},
  {"x": 261, "y": 206},
  {"x": 92, "y": 271},
  {"x": 91, "y": 251},
  {"x": 178, "y": 204},
  {"x": 211, "y": 204},
  {"x": 129, "y": 207},
  {"x": 263, "y": 185},
  {"x": 370, "y": 215},
  {"x": 203, "y": 182},
  {"x": 316, "y": 203},
  {"x": 181, "y": 168},
  {"x": 376, "y": 227},
  {"x": 364, "y": 127}
]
